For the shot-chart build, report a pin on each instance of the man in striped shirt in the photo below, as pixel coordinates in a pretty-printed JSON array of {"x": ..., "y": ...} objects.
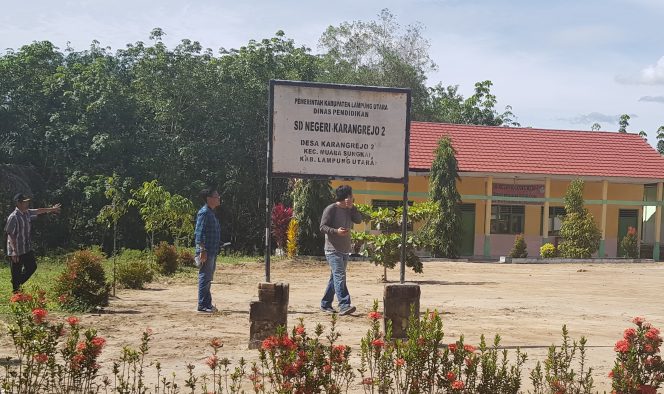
[{"x": 19, "y": 247}]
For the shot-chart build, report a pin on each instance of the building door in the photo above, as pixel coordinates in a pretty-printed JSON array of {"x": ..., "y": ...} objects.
[
  {"x": 626, "y": 218},
  {"x": 467, "y": 247}
]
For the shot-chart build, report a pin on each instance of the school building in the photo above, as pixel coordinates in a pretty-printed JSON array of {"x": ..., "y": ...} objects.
[{"x": 513, "y": 180}]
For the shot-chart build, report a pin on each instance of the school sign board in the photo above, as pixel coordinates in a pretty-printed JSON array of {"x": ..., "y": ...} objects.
[{"x": 339, "y": 131}]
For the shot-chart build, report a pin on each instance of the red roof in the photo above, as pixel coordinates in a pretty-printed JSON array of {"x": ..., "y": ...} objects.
[{"x": 491, "y": 149}]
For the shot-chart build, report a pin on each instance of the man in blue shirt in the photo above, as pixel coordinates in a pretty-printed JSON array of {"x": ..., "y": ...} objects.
[
  {"x": 19, "y": 245},
  {"x": 208, "y": 238}
]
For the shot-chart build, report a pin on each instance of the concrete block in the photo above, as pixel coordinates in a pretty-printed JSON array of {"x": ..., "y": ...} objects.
[{"x": 398, "y": 299}]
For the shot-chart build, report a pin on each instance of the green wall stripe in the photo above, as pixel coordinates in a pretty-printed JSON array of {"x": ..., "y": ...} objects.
[{"x": 467, "y": 197}]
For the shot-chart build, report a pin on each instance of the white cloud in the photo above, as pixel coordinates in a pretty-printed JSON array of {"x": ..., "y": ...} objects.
[{"x": 651, "y": 75}]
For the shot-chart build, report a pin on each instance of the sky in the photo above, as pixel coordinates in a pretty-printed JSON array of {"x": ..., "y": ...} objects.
[{"x": 563, "y": 64}]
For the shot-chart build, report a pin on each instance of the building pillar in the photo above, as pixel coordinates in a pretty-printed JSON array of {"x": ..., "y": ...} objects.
[
  {"x": 487, "y": 217},
  {"x": 658, "y": 223},
  {"x": 605, "y": 197},
  {"x": 545, "y": 217}
]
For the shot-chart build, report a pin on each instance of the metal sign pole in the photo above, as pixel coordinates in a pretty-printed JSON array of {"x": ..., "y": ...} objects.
[
  {"x": 268, "y": 188},
  {"x": 404, "y": 218}
]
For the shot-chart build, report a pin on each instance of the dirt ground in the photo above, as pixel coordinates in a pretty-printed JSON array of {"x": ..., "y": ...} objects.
[{"x": 526, "y": 304}]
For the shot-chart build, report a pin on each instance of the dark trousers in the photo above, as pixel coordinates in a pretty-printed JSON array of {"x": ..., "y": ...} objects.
[{"x": 23, "y": 269}]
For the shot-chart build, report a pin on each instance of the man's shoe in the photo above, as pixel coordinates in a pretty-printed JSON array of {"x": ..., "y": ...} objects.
[
  {"x": 328, "y": 309},
  {"x": 207, "y": 310},
  {"x": 347, "y": 311}
]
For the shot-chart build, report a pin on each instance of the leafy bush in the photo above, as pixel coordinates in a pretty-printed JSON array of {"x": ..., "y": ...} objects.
[
  {"x": 135, "y": 274},
  {"x": 520, "y": 249},
  {"x": 629, "y": 244},
  {"x": 559, "y": 375},
  {"x": 82, "y": 285},
  {"x": 291, "y": 242},
  {"x": 548, "y": 250},
  {"x": 167, "y": 258},
  {"x": 579, "y": 231},
  {"x": 358, "y": 241},
  {"x": 186, "y": 258},
  {"x": 417, "y": 365},
  {"x": 639, "y": 367}
]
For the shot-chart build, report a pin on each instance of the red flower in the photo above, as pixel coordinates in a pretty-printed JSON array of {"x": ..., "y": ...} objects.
[
  {"x": 367, "y": 381},
  {"x": 216, "y": 343},
  {"x": 638, "y": 320},
  {"x": 611, "y": 374},
  {"x": 98, "y": 342},
  {"x": 378, "y": 343},
  {"x": 399, "y": 362},
  {"x": 288, "y": 343},
  {"x": 38, "y": 315},
  {"x": 648, "y": 348},
  {"x": 457, "y": 385},
  {"x": 327, "y": 368},
  {"x": 212, "y": 362},
  {"x": 630, "y": 333},
  {"x": 270, "y": 343},
  {"x": 451, "y": 376},
  {"x": 421, "y": 341},
  {"x": 299, "y": 330},
  {"x": 62, "y": 298},
  {"x": 652, "y": 334},
  {"x": 469, "y": 348},
  {"x": 72, "y": 320},
  {"x": 340, "y": 348},
  {"x": 41, "y": 358},
  {"x": 375, "y": 315},
  {"x": 622, "y": 346},
  {"x": 20, "y": 297},
  {"x": 452, "y": 347}
]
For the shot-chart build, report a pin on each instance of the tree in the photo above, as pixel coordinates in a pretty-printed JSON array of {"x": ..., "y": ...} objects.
[
  {"x": 660, "y": 140},
  {"x": 378, "y": 52},
  {"x": 623, "y": 123},
  {"x": 444, "y": 230},
  {"x": 643, "y": 135},
  {"x": 596, "y": 127},
  {"x": 580, "y": 233},
  {"x": 110, "y": 214},
  {"x": 447, "y": 105},
  {"x": 310, "y": 197}
]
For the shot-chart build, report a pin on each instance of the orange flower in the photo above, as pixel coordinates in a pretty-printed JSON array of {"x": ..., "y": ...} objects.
[
  {"x": 375, "y": 315},
  {"x": 216, "y": 343},
  {"x": 72, "y": 320},
  {"x": 212, "y": 362},
  {"x": 399, "y": 362},
  {"x": 457, "y": 385}
]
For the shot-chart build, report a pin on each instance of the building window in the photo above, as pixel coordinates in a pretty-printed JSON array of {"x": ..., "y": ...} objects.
[
  {"x": 391, "y": 204},
  {"x": 556, "y": 216},
  {"x": 507, "y": 219}
]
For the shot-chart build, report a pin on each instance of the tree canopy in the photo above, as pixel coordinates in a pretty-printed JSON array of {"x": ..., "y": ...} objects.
[{"x": 187, "y": 118}]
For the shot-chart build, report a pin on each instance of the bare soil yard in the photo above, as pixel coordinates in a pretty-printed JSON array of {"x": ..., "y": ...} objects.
[{"x": 526, "y": 304}]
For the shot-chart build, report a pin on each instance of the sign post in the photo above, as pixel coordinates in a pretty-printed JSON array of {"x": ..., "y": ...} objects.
[{"x": 329, "y": 131}]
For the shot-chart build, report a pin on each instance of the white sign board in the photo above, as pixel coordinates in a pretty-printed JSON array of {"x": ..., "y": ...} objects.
[{"x": 346, "y": 131}]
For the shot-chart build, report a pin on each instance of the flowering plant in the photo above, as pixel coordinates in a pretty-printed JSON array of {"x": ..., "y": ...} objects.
[
  {"x": 638, "y": 367},
  {"x": 301, "y": 363}
]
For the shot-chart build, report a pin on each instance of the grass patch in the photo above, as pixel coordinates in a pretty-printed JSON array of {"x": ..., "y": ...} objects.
[{"x": 49, "y": 267}]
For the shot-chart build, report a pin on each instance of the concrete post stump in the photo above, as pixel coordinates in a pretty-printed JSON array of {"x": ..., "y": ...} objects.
[
  {"x": 268, "y": 313},
  {"x": 398, "y": 300}
]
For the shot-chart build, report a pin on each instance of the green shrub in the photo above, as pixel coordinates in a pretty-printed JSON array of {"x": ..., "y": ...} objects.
[
  {"x": 548, "y": 250},
  {"x": 186, "y": 258},
  {"x": 135, "y": 274},
  {"x": 82, "y": 285},
  {"x": 167, "y": 258},
  {"x": 579, "y": 231},
  {"x": 520, "y": 249}
]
